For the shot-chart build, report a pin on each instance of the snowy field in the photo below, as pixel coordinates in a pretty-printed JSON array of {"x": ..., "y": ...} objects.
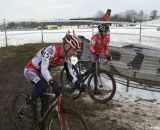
[{"x": 150, "y": 36}]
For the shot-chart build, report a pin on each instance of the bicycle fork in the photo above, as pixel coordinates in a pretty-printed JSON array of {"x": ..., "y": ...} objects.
[
  {"x": 97, "y": 76},
  {"x": 62, "y": 117}
]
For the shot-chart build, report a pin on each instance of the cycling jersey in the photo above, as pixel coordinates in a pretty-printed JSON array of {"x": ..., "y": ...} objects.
[
  {"x": 37, "y": 73},
  {"x": 98, "y": 44},
  {"x": 46, "y": 58}
]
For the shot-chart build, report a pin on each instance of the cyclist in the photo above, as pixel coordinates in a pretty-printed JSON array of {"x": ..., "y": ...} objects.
[
  {"x": 37, "y": 69},
  {"x": 100, "y": 41},
  {"x": 106, "y": 17}
]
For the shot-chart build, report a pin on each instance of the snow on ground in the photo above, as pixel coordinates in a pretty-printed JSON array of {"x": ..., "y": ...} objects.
[
  {"x": 118, "y": 34},
  {"x": 119, "y": 37},
  {"x": 135, "y": 94},
  {"x": 153, "y": 22}
]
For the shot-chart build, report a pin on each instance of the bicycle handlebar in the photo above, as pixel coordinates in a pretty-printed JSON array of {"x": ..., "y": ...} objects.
[
  {"x": 101, "y": 60},
  {"x": 53, "y": 95}
]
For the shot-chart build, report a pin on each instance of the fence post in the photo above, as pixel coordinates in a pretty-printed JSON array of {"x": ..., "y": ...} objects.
[
  {"x": 127, "y": 89},
  {"x": 73, "y": 32},
  {"x": 92, "y": 29},
  {"x": 42, "y": 31},
  {"x": 140, "y": 36},
  {"x": 5, "y": 31}
]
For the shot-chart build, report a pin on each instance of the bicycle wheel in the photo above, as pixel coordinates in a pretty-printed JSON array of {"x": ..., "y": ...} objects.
[
  {"x": 22, "y": 114},
  {"x": 70, "y": 121},
  {"x": 101, "y": 86}
]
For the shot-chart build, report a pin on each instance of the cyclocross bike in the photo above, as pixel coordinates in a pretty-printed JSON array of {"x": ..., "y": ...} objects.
[
  {"x": 58, "y": 117},
  {"x": 101, "y": 83}
]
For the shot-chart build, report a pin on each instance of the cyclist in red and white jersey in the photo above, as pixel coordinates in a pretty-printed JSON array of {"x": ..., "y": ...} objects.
[
  {"x": 37, "y": 69},
  {"x": 100, "y": 42}
]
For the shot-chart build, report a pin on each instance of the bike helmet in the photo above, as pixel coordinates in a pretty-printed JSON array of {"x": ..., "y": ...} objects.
[
  {"x": 103, "y": 28},
  {"x": 109, "y": 10},
  {"x": 73, "y": 41}
]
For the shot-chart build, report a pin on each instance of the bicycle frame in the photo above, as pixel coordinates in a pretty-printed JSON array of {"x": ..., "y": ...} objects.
[
  {"x": 50, "y": 109},
  {"x": 56, "y": 104},
  {"x": 59, "y": 107},
  {"x": 60, "y": 115},
  {"x": 93, "y": 69}
]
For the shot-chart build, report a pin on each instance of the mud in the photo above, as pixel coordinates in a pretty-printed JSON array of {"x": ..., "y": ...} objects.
[{"x": 119, "y": 114}]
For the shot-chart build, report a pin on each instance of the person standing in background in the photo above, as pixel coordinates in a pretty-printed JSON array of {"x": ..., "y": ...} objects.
[
  {"x": 106, "y": 18},
  {"x": 107, "y": 15}
]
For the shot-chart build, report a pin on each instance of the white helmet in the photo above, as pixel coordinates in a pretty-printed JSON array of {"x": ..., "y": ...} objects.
[{"x": 73, "y": 41}]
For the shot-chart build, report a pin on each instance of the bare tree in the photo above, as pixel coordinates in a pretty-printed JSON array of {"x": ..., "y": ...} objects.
[
  {"x": 11, "y": 25},
  {"x": 154, "y": 14},
  {"x": 99, "y": 14},
  {"x": 115, "y": 17},
  {"x": 141, "y": 16},
  {"x": 131, "y": 15}
]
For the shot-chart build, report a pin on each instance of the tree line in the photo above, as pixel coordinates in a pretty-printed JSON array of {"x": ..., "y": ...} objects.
[
  {"x": 127, "y": 16},
  {"x": 131, "y": 16}
]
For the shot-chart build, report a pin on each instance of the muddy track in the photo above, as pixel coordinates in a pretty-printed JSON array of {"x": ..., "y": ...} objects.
[{"x": 118, "y": 114}]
